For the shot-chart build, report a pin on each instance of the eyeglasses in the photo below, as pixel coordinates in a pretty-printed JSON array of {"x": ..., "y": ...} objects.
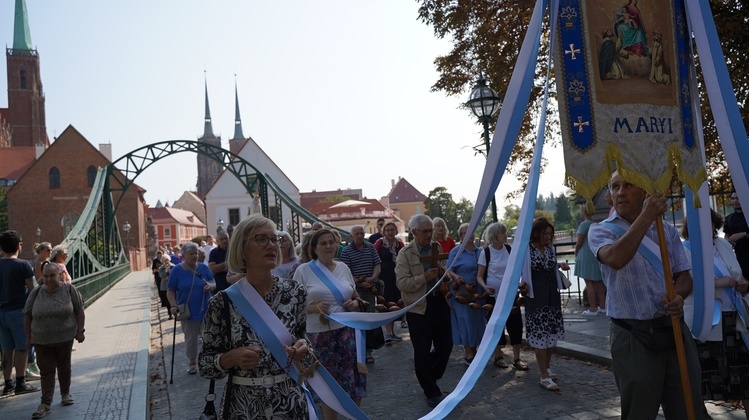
[{"x": 263, "y": 240}]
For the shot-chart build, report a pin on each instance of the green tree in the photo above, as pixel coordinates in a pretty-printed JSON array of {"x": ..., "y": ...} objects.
[
  {"x": 563, "y": 215},
  {"x": 439, "y": 203},
  {"x": 464, "y": 210},
  {"x": 334, "y": 199},
  {"x": 3, "y": 211}
]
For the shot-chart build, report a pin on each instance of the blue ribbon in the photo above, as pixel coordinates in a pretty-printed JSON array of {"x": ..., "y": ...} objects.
[
  {"x": 697, "y": 321},
  {"x": 650, "y": 256}
]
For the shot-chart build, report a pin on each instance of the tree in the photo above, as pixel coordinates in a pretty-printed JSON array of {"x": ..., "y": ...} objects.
[
  {"x": 439, "y": 203},
  {"x": 487, "y": 35},
  {"x": 334, "y": 199},
  {"x": 464, "y": 210},
  {"x": 562, "y": 215}
]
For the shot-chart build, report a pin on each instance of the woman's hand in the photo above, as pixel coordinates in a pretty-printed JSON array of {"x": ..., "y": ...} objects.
[
  {"x": 245, "y": 358},
  {"x": 79, "y": 336},
  {"x": 742, "y": 285},
  {"x": 298, "y": 350},
  {"x": 351, "y": 305},
  {"x": 319, "y": 307},
  {"x": 725, "y": 282},
  {"x": 174, "y": 310}
]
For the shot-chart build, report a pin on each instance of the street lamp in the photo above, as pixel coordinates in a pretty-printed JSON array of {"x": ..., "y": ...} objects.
[
  {"x": 219, "y": 225},
  {"x": 126, "y": 228},
  {"x": 484, "y": 103},
  {"x": 38, "y": 235}
]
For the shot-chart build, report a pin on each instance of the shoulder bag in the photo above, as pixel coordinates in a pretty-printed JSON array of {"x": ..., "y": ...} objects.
[{"x": 183, "y": 309}]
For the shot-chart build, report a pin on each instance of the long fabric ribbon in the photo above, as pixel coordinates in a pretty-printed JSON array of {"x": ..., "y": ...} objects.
[
  {"x": 274, "y": 334},
  {"x": 328, "y": 279},
  {"x": 728, "y": 120},
  {"x": 717, "y": 273},
  {"x": 648, "y": 248},
  {"x": 508, "y": 127}
]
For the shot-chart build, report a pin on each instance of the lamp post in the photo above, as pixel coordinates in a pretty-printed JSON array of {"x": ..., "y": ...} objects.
[
  {"x": 38, "y": 235},
  {"x": 219, "y": 225},
  {"x": 484, "y": 103},
  {"x": 126, "y": 228}
]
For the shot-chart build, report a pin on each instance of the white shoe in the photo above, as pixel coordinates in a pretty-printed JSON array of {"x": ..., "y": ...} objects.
[
  {"x": 601, "y": 311},
  {"x": 588, "y": 312}
]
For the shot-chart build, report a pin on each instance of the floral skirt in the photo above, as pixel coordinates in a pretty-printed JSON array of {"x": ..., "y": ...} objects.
[{"x": 336, "y": 351}]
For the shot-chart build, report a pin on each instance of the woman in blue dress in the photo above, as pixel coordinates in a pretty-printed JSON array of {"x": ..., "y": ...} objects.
[
  {"x": 587, "y": 267},
  {"x": 467, "y": 324}
]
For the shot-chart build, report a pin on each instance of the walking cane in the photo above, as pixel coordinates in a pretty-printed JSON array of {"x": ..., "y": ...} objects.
[{"x": 174, "y": 340}]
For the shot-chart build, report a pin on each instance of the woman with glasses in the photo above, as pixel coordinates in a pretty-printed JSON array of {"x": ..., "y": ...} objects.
[
  {"x": 234, "y": 347},
  {"x": 289, "y": 260},
  {"x": 190, "y": 282},
  {"x": 388, "y": 247},
  {"x": 334, "y": 343}
]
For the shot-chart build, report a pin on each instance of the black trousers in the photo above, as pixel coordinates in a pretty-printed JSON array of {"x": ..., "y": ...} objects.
[{"x": 433, "y": 329}]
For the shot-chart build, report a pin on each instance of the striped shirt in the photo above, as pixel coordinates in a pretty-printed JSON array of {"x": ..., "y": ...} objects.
[
  {"x": 636, "y": 290},
  {"x": 361, "y": 261}
]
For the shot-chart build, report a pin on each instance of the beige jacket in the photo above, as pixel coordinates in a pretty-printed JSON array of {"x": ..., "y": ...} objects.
[{"x": 409, "y": 276}]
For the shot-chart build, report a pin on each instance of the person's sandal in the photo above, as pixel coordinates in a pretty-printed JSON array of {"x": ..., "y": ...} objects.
[
  {"x": 548, "y": 384},
  {"x": 552, "y": 375},
  {"x": 500, "y": 363},
  {"x": 519, "y": 364},
  {"x": 67, "y": 400},
  {"x": 192, "y": 370},
  {"x": 41, "y": 411}
]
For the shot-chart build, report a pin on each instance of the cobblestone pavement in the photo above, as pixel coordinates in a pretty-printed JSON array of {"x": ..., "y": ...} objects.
[{"x": 587, "y": 390}]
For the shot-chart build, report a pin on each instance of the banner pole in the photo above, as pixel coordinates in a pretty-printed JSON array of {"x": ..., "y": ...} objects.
[{"x": 675, "y": 322}]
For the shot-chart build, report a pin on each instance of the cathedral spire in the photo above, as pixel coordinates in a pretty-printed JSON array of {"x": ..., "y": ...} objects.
[
  {"x": 21, "y": 31},
  {"x": 237, "y": 119},
  {"x": 208, "y": 129}
]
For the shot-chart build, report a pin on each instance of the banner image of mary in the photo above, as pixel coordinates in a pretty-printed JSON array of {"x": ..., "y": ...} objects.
[{"x": 628, "y": 26}]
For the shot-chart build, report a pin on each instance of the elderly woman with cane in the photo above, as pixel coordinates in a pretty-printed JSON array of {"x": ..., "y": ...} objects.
[{"x": 188, "y": 291}]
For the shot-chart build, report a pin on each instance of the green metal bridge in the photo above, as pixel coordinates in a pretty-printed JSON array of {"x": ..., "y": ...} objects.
[{"x": 97, "y": 258}]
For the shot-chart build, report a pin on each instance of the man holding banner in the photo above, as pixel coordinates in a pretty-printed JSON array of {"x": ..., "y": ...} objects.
[{"x": 643, "y": 349}]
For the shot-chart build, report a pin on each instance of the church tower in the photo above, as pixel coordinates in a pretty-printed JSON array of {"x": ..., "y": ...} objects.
[
  {"x": 208, "y": 169},
  {"x": 25, "y": 114},
  {"x": 237, "y": 142}
]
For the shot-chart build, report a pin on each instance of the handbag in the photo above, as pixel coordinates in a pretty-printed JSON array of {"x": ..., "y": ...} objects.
[
  {"x": 209, "y": 411},
  {"x": 183, "y": 309},
  {"x": 564, "y": 280}
]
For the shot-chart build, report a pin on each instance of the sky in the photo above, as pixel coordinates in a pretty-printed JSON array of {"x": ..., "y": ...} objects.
[{"x": 337, "y": 93}]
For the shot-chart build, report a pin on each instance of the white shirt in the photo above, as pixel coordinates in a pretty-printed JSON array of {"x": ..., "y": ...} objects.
[
  {"x": 497, "y": 263},
  {"x": 317, "y": 291}
]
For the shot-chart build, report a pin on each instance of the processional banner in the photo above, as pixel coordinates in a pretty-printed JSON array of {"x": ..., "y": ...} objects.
[{"x": 625, "y": 94}]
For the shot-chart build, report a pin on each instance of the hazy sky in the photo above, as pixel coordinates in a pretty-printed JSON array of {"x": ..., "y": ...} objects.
[{"x": 337, "y": 93}]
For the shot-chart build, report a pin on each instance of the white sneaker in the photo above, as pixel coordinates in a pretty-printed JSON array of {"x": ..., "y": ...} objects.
[
  {"x": 588, "y": 312},
  {"x": 601, "y": 311}
]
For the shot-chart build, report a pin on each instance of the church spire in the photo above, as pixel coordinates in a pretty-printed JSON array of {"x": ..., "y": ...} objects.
[
  {"x": 237, "y": 119},
  {"x": 21, "y": 31},
  {"x": 208, "y": 129}
]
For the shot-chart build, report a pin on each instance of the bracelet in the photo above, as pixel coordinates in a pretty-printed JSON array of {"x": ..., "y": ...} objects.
[{"x": 217, "y": 363}]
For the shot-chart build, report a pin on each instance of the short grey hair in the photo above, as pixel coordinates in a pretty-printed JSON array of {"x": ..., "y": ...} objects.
[
  {"x": 189, "y": 246},
  {"x": 418, "y": 219},
  {"x": 490, "y": 234},
  {"x": 56, "y": 250},
  {"x": 287, "y": 238},
  {"x": 356, "y": 227}
]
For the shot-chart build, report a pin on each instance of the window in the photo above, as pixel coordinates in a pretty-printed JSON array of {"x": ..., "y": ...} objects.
[
  {"x": 167, "y": 232},
  {"x": 68, "y": 222},
  {"x": 233, "y": 217},
  {"x": 91, "y": 174},
  {"x": 54, "y": 178},
  {"x": 23, "y": 78}
]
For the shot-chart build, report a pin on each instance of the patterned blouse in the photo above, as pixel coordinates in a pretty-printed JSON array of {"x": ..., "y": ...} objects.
[{"x": 286, "y": 399}]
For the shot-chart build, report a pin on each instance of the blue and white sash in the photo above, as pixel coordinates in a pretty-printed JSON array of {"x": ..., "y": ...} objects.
[
  {"x": 718, "y": 273},
  {"x": 275, "y": 335},
  {"x": 331, "y": 282},
  {"x": 648, "y": 248}
]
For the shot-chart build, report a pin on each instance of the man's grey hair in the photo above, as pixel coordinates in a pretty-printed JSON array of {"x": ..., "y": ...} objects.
[
  {"x": 418, "y": 219},
  {"x": 356, "y": 227},
  {"x": 189, "y": 246}
]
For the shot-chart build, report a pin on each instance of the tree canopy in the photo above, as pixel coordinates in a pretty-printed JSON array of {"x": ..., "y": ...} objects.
[{"x": 487, "y": 35}]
